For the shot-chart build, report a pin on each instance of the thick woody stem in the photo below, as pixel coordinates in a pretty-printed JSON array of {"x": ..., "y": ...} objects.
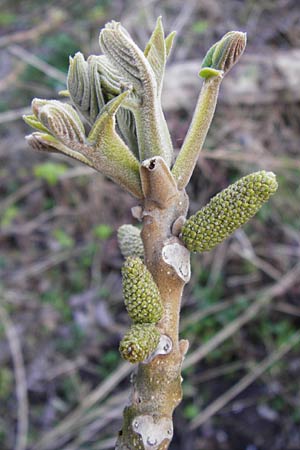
[{"x": 157, "y": 384}]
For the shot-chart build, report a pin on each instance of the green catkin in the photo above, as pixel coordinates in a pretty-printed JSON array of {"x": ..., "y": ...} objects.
[
  {"x": 130, "y": 241},
  {"x": 139, "y": 342},
  {"x": 227, "y": 211},
  {"x": 141, "y": 295}
]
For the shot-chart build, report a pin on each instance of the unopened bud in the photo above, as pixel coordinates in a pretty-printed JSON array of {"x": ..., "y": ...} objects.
[{"x": 223, "y": 54}]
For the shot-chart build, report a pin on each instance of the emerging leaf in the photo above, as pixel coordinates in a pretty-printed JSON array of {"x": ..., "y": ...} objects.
[
  {"x": 92, "y": 84},
  {"x": 47, "y": 143},
  {"x": 156, "y": 53},
  {"x": 169, "y": 42},
  {"x": 78, "y": 83},
  {"x": 60, "y": 129},
  {"x": 111, "y": 156},
  {"x": 127, "y": 129},
  {"x": 61, "y": 120},
  {"x": 227, "y": 211},
  {"x": 33, "y": 122},
  {"x": 130, "y": 61},
  {"x": 208, "y": 72},
  {"x": 152, "y": 132},
  {"x": 103, "y": 150}
]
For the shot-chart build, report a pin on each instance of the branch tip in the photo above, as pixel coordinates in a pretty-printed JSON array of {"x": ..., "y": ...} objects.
[{"x": 224, "y": 54}]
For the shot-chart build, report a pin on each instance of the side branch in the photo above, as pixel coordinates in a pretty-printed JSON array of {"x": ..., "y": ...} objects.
[{"x": 189, "y": 153}]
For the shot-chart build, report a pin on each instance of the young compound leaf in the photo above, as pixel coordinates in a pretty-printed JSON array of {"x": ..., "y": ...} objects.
[
  {"x": 62, "y": 121},
  {"x": 152, "y": 132},
  {"x": 61, "y": 129},
  {"x": 92, "y": 84},
  {"x": 130, "y": 61},
  {"x": 103, "y": 150}
]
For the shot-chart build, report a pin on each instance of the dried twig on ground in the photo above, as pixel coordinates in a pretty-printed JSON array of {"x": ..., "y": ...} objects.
[
  {"x": 253, "y": 158},
  {"x": 69, "y": 423},
  {"x": 55, "y": 17},
  {"x": 39, "y": 267},
  {"x": 38, "y": 63},
  {"x": 20, "y": 379},
  {"x": 239, "y": 387},
  {"x": 46, "y": 442},
  {"x": 11, "y": 78},
  {"x": 14, "y": 114},
  {"x": 285, "y": 283},
  {"x": 22, "y": 192}
]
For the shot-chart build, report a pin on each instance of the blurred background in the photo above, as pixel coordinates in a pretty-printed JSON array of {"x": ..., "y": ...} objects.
[{"x": 62, "y": 382}]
